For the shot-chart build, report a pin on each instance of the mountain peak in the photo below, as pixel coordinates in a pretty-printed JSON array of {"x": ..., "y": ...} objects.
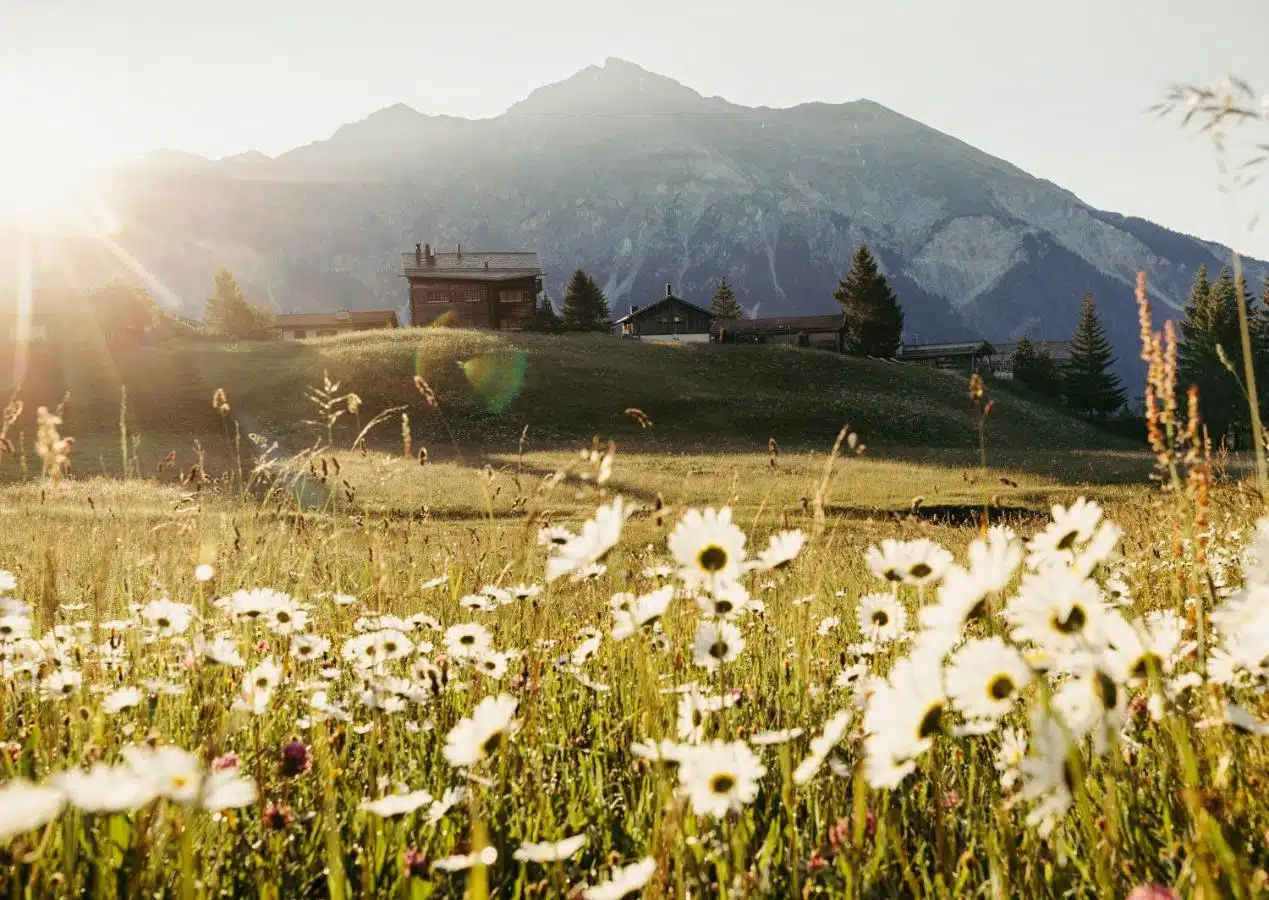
[{"x": 618, "y": 86}]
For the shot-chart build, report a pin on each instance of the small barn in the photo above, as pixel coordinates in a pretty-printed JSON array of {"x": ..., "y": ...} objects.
[
  {"x": 298, "y": 326},
  {"x": 1002, "y": 355},
  {"x": 963, "y": 356},
  {"x": 820, "y": 332},
  {"x": 668, "y": 319}
]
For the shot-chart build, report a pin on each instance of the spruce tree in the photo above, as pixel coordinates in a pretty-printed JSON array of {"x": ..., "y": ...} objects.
[
  {"x": 1034, "y": 367},
  {"x": 228, "y": 313},
  {"x": 585, "y": 307},
  {"x": 1211, "y": 321},
  {"x": 723, "y": 303},
  {"x": 874, "y": 318},
  {"x": 1091, "y": 387},
  {"x": 544, "y": 318}
]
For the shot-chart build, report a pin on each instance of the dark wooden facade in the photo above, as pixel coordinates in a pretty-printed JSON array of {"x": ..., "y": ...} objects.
[
  {"x": 670, "y": 317},
  {"x": 826, "y": 332},
  {"x": 476, "y": 290}
]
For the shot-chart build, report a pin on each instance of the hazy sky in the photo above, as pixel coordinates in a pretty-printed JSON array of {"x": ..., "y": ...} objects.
[{"x": 1059, "y": 88}]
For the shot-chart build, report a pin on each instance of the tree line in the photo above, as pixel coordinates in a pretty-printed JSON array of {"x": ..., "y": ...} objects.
[
  {"x": 874, "y": 317},
  {"x": 1087, "y": 382},
  {"x": 1209, "y": 356}
]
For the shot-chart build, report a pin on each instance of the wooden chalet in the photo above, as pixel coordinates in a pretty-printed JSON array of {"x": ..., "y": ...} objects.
[
  {"x": 481, "y": 290},
  {"x": 670, "y": 318},
  {"x": 298, "y": 326},
  {"x": 964, "y": 356},
  {"x": 1002, "y": 357},
  {"x": 820, "y": 332}
]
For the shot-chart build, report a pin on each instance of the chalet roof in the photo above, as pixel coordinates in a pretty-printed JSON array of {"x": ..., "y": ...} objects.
[
  {"x": 642, "y": 311},
  {"x": 338, "y": 319},
  {"x": 784, "y": 324},
  {"x": 958, "y": 348},
  {"x": 480, "y": 265},
  {"x": 1059, "y": 350}
]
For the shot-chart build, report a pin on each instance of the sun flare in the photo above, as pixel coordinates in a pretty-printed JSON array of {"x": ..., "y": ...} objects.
[{"x": 42, "y": 163}]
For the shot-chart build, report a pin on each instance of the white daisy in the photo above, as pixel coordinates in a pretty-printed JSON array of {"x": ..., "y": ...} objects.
[
  {"x": 716, "y": 643},
  {"x": 123, "y": 698},
  {"x": 1057, "y": 609},
  {"x": 905, "y": 713},
  {"x": 719, "y": 778},
  {"x": 167, "y": 618},
  {"x": 204, "y": 572},
  {"x": 475, "y": 738},
  {"x": 227, "y": 789},
  {"x": 984, "y": 678},
  {"x": 623, "y": 881},
  {"x": 467, "y": 641},
  {"x": 773, "y": 738},
  {"x": 708, "y": 547},
  {"x": 105, "y": 789},
  {"x": 393, "y": 805},
  {"x": 168, "y": 771},
  {"x": 1070, "y": 528},
  {"x": 550, "y": 852},
  {"x": 644, "y": 612},
  {"x": 460, "y": 862},
  {"x": 993, "y": 560},
  {"x": 881, "y": 617},
  {"x": 309, "y": 647},
  {"x": 1048, "y": 777},
  {"x": 25, "y": 806},
  {"x": 1013, "y": 749},
  {"x": 822, "y": 745},
  {"x": 598, "y": 536},
  {"x": 781, "y": 550}
]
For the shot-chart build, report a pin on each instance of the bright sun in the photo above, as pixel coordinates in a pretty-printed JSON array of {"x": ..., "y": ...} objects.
[{"x": 41, "y": 163}]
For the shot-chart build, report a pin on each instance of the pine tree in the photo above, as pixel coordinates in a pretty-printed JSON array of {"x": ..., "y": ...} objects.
[
  {"x": 544, "y": 318},
  {"x": 1211, "y": 321},
  {"x": 228, "y": 313},
  {"x": 1091, "y": 387},
  {"x": 585, "y": 307},
  {"x": 723, "y": 303},
  {"x": 874, "y": 318},
  {"x": 124, "y": 311},
  {"x": 1034, "y": 367}
]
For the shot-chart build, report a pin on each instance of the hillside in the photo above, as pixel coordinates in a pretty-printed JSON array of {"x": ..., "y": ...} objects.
[
  {"x": 642, "y": 181},
  {"x": 566, "y": 389}
]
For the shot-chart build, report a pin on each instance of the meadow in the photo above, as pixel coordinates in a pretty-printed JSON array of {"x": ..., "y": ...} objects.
[{"x": 318, "y": 662}]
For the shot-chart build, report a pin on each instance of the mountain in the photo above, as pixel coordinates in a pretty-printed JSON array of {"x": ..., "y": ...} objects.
[{"x": 643, "y": 181}]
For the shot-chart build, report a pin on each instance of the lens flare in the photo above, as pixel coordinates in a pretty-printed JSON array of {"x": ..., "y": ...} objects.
[{"x": 496, "y": 377}]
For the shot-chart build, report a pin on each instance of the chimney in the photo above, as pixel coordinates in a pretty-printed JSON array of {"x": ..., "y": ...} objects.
[
  {"x": 429, "y": 254},
  {"x": 667, "y": 291},
  {"x": 460, "y": 251},
  {"x": 418, "y": 254}
]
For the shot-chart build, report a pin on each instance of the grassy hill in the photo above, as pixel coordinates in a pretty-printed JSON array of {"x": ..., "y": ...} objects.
[{"x": 565, "y": 388}]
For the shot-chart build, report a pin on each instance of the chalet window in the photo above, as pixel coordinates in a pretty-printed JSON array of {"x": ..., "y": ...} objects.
[
  {"x": 300, "y": 334},
  {"x": 468, "y": 295},
  {"x": 436, "y": 295},
  {"x": 512, "y": 296},
  {"x": 327, "y": 332}
]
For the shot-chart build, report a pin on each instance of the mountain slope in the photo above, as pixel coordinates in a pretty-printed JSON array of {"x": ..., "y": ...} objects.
[{"x": 642, "y": 181}]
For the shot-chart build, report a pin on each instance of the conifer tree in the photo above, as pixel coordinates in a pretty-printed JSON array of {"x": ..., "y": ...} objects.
[
  {"x": 1034, "y": 367},
  {"x": 723, "y": 303},
  {"x": 228, "y": 313},
  {"x": 1211, "y": 321},
  {"x": 585, "y": 306},
  {"x": 1090, "y": 385},
  {"x": 874, "y": 318},
  {"x": 544, "y": 317}
]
